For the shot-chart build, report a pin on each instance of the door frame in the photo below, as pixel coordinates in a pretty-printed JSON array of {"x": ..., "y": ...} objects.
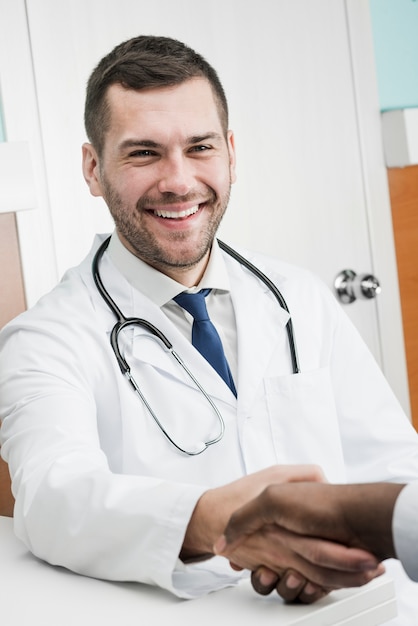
[{"x": 377, "y": 199}]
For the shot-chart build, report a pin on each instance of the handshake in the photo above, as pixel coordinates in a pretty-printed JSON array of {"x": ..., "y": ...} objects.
[{"x": 305, "y": 539}]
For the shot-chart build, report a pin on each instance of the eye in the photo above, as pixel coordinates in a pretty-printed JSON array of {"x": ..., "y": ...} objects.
[
  {"x": 201, "y": 148},
  {"x": 142, "y": 153}
]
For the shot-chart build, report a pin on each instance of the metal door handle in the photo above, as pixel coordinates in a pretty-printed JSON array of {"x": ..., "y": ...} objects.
[{"x": 349, "y": 286}]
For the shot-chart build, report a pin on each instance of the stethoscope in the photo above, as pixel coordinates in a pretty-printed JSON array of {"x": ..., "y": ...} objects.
[{"x": 155, "y": 333}]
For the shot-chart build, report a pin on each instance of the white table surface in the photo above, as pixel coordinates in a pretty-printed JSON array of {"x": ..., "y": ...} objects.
[{"x": 33, "y": 593}]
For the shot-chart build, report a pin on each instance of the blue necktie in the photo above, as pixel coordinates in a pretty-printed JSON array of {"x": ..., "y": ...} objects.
[{"x": 205, "y": 337}]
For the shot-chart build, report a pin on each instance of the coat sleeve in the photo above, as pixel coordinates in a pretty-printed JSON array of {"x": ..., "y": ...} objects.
[
  {"x": 405, "y": 529},
  {"x": 71, "y": 508}
]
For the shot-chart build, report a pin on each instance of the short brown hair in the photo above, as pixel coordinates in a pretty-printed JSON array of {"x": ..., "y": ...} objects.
[{"x": 140, "y": 63}]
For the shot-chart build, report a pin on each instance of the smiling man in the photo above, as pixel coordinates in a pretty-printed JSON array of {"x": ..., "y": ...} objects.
[
  {"x": 167, "y": 189},
  {"x": 157, "y": 388}
]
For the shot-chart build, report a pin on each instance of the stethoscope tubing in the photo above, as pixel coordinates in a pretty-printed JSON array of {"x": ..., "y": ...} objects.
[
  {"x": 276, "y": 293},
  {"x": 122, "y": 322}
]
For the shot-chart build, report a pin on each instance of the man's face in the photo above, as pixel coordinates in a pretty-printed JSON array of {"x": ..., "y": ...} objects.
[{"x": 165, "y": 172}]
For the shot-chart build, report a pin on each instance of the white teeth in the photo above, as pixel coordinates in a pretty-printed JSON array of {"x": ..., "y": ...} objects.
[{"x": 177, "y": 214}]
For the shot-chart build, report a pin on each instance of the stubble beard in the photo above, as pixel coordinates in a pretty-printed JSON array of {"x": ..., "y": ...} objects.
[{"x": 145, "y": 245}]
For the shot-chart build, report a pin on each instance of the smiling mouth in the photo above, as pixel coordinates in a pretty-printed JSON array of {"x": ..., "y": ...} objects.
[{"x": 175, "y": 215}]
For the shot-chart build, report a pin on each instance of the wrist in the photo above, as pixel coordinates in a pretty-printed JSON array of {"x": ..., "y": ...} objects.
[{"x": 205, "y": 525}]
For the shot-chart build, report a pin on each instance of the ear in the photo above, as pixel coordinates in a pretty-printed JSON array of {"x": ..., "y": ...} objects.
[
  {"x": 232, "y": 157},
  {"x": 91, "y": 169}
]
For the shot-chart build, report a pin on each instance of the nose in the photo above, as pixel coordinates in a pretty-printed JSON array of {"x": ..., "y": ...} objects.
[{"x": 176, "y": 176}]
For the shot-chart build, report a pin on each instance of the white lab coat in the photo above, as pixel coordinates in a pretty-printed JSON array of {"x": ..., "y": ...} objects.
[
  {"x": 405, "y": 529},
  {"x": 101, "y": 491}
]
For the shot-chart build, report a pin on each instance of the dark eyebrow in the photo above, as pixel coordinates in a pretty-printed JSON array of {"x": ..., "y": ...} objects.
[
  {"x": 128, "y": 144},
  {"x": 200, "y": 138},
  {"x": 138, "y": 143}
]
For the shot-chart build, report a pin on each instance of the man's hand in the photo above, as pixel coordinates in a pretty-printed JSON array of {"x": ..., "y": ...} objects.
[
  {"x": 216, "y": 506},
  {"x": 331, "y": 535}
]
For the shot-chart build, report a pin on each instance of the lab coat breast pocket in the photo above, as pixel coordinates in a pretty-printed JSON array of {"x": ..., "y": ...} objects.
[{"x": 304, "y": 421}]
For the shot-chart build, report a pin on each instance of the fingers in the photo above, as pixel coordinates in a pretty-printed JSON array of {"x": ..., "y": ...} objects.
[
  {"x": 301, "y": 569},
  {"x": 281, "y": 529},
  {"x": 330, "y": 555},
  {"x": 264, "y": 580},
  {"x": 291, "y": 585},
  {"x": 307, "y": 473},
  {"x": 323, "y": 562},
  {"x": 235, "y": 567}
]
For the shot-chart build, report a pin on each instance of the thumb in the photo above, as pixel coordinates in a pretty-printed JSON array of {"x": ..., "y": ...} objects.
[{"x": 243, "y": 522}]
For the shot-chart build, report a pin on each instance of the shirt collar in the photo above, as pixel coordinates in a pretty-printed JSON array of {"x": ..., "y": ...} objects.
[{"x": 155, "y": 285}]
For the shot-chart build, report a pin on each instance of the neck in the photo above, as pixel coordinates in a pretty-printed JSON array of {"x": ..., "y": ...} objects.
[{"x": 187, "y": 276}]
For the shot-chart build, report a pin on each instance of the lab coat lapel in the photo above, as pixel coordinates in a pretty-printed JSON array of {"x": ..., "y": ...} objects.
[{"x": 260, "y": 328}]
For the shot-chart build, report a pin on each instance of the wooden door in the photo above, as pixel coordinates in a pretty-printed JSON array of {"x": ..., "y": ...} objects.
[
  {"x": 403, "y": 185},
  {"x": 12, "y": 296},
  {"x": 12, "y": 302}
]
